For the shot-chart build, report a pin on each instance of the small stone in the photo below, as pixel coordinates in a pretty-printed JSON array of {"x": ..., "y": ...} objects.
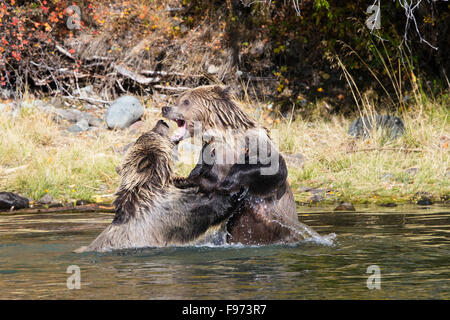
[
  {"x": 388, "y": 204},
  {"x": 93, "y": 129},
  {"x": 72, "y": 115},
  {"x": 447, "y": 173},
  {"x": 257, "y": 48},
  {"x": 423, "y": 198},
  {"x": 74, "y": 129},
  {"x": 80, "y": 126},
  {"x": 95, "y": 122},
  {"x": 345, "y": 206},
  {"x": 387, "y": 176},
  {"x": 303, "y": 189},
  {"x": 212, "y": 69},
  {"x": 412, "y": 171},
  {"x": 136, "y": 127},
  {"x": 303, "y": 102},
  {"x": 316, "y": 198},
  {"x": 83, "y": 124},
  {"x": 46, "y": 199},
  {"x": 424, "y": 202},
  {"x": 296, "y": 160}
]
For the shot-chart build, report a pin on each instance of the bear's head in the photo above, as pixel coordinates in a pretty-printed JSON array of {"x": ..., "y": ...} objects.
[
  {"x": 149, "y": 161},
  {"x": 211, "y": 107}
]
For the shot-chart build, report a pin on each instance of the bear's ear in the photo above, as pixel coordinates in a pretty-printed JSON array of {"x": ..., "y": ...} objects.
[
  {"x": 222, "y": 90},
  {"x": 146, "y": 163}
]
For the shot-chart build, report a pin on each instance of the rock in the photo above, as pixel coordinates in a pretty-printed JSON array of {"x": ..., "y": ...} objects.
[
  {"x": 345, "y": 206},
  {"x": 316, "y": 198},
  {"x": 388, "y": 204},
  {"x": 80, "y": 126},
  {"x": 83, "y": 124},
  {"x": 8, "y": 107},
  {"x": 46, "y": 199},
  {"x": 57, "y": 102},
  {"x": 6, "y": 93},
  {"x": 296, "y": 160},
  {"x": 32, "y": 104},
  {"x": 212, "y": 69},
  {"x": 412, "y": 171},
  {"x": 424, "y": 202},
  {"x": 9, "y": 200},
  {"x": 423, "y": 199},
  {"x": 72, "y": 115},
  {"x": 303, "y": 102},
  {"x": 94, "y": 122},
  {"x": 123, "y": 112},
  {"x": 93, "y": 129},
  {"x": 86, "y": 92},
  {"x": 3, "y": 107},
  {"x": 303, "y": 189},
  {"x": 387, "y": 176},
  {"x": 362, "y": 127},
  {"x": 135, "y": 127},
  {"x": 258, "y": 47},
  {"x": 74, "y": 129}
]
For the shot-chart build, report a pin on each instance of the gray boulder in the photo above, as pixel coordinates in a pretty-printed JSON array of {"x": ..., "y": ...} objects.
[
  {"x": 123, "y": 112},
  {"x": 80, "y": 126},
  {"x": 392, "y": 126},
  {"x": 9, "y": 200}
]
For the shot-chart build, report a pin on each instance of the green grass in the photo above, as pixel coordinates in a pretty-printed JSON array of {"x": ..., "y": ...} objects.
[{"x": 38, "y": 156}]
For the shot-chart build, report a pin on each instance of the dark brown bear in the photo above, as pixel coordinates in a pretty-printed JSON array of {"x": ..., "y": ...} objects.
[{"x": 269, "y": 214}]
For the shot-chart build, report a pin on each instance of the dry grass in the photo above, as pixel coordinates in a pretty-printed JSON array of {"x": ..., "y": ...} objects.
[
  {"x": 38, "y": 156},
  {"x": 373, "y": 169}
]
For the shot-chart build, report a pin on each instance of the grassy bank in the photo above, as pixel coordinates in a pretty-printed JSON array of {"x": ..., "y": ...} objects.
[
  {"x": 374, "y": 170},
  {"x": 39, "y": 156}
]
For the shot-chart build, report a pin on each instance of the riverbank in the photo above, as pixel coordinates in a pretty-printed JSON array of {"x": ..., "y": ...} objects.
[{"x": 40, "y": 156}]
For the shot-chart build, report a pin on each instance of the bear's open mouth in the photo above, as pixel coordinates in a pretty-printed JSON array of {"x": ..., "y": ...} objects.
[{"x": 181, "y": 132}]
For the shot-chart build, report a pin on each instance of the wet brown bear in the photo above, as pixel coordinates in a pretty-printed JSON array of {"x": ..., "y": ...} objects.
[
  {"x": 269, "y": 214},
  {"x": 151, "y": 211}
]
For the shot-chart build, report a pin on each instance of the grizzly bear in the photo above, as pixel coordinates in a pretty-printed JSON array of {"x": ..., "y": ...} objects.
[
  {"x": 151, "y": 211},
  {"x": 268, "y": 214}
]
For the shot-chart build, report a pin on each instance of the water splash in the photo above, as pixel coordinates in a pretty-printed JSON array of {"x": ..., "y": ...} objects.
[{"x": 303, "y": 232}]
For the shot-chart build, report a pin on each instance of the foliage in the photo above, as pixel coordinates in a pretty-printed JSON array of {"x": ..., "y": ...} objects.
[{"x": 286, "y": 51}]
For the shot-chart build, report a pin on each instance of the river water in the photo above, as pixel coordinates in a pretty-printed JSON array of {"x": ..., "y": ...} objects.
[{"x": 409, "y": 246}]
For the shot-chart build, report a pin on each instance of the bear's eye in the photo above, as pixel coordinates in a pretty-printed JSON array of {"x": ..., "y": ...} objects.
[{"x": 186, "y": 102}]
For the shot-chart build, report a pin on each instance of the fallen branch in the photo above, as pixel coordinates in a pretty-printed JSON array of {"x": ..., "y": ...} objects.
[
  {"x": 169, "y": 74},
  {"x": 91, "y": 100},
  {"x": 170, "y": 88},
  {"x": 124, "y": 71},
  {"x": 64, "y": 52}
]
